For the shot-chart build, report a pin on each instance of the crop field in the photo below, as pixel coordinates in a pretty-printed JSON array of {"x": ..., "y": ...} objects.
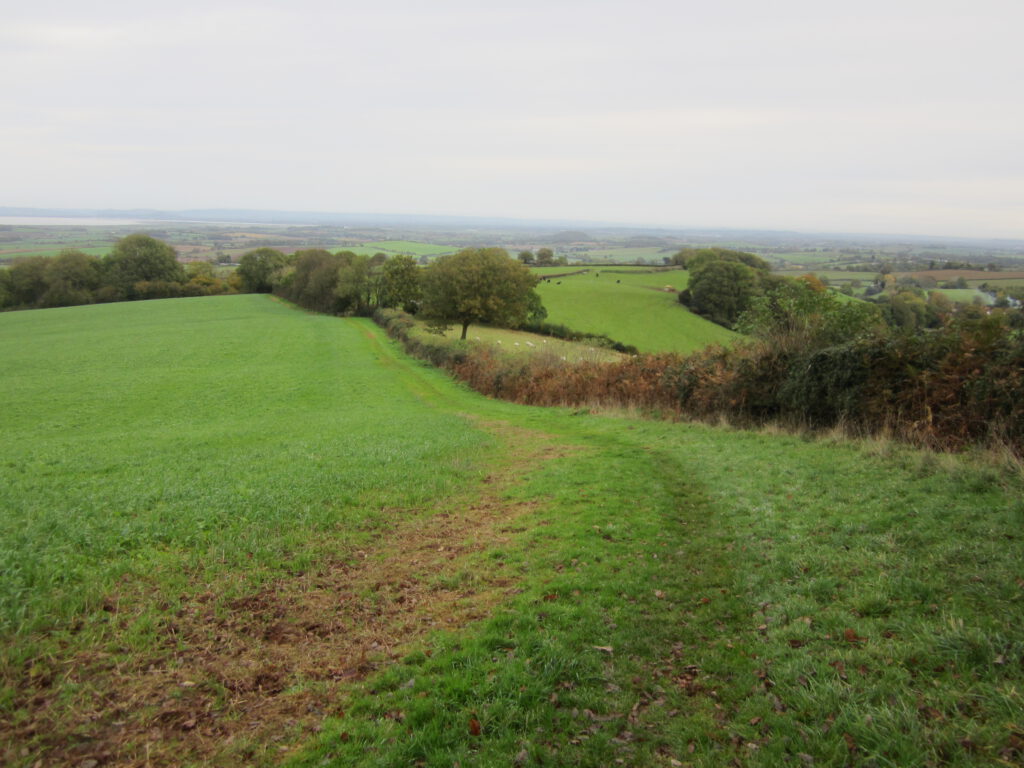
[
  {"x": 631, "y": 307},
  {"x": 235, "y": 533},
  {"x": 998, "y": 283}
]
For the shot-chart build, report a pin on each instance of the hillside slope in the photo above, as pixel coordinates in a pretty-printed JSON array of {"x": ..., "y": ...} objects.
[
  {"x": 632, "y": 307},
  {"x": 236, "y": 533}
]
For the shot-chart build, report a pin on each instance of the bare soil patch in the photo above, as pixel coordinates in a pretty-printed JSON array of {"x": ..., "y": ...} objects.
[{"x": 245, "y": 681}]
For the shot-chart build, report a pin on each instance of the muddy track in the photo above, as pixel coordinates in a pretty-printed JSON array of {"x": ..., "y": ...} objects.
[{"x": 246, "y": 681}]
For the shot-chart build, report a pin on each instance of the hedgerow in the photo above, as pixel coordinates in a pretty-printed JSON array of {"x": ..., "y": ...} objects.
[{"x": 948, "y": 388}]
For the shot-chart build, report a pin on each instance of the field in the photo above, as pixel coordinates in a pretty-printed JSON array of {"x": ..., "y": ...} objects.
[
  {"x": 204, "y": 241},
  {"x": 523, "y": 343},
  {"x": 624, "y": 255},
  {"x": 630, "y": 306},
  {"x": 236, "y": 533},
  {"x": 411, "y": 248},
  {"x": 965, "y": 295}
]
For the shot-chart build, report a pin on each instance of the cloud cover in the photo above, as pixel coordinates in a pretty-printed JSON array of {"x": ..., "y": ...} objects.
[{"x": 898, "y": 116}]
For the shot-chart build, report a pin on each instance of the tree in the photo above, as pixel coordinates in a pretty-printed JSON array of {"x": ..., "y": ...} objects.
[
  {"x": 724, "y": 282},
  {"x": 356, "y": 284},
  {"x": 478, "y": 285},
  {"x": 545, "y": 257},
  {"x": 723, "y": 290},
  {"x": 26, "y": 280},
  {"x": 203, "y": 280},
  {"x": 72, "y": 278},
  {"x": 694, "y": 259},
  {"x": 5, "y": 288},
  {"x": 400, "y": 283},
  {"x": 312, "y": 280},
  {"x": 797, "y": 312},
  {"x": 526, "y": 257},
  {"x": 256, "y": 269},
  {"x": 141, "y": 258}
]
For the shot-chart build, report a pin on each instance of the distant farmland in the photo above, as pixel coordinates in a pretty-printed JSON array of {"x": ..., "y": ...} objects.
[{"x": 411, "y": 248}]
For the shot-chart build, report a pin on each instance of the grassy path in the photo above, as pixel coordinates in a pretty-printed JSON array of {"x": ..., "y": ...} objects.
[{"x": 463, "y": 581}]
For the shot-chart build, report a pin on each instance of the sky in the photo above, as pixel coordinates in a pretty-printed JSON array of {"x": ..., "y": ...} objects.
[{"x": 894, "y": 116}]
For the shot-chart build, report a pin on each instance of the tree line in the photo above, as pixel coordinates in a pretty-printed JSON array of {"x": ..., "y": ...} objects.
[
  {"x": 476, "y": 285},
  {"x": 138, "y": 267}
]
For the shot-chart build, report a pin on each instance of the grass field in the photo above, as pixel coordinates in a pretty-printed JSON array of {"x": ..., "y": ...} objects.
[
  {"x": 235, "y": 533},
  {"x": 411, "y": 248},
  {"x": 651, "y": 254},
  {"x": 999, "y": 283},
  {"x": 51, "y": 251},
  {"x": 806, "y": 258},
  {"x": 522, "y": 343},
  {"x": 130, "y": 433},
  {"x": 630, "y": 307},
  {"x": 965, "y": 295}
]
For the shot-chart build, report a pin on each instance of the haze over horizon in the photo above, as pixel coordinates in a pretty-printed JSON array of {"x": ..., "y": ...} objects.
[{"x": 871, "y": 118}]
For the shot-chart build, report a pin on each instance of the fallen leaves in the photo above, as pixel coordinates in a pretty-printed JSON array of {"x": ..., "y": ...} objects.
[{"x": 851, "y": 636}]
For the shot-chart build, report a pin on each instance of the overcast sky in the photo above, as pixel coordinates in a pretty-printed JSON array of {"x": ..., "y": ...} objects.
[{"x": 894, "y": 116}]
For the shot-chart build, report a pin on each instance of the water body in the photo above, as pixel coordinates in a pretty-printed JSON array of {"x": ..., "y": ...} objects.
[{"x": 60, "y": 221}]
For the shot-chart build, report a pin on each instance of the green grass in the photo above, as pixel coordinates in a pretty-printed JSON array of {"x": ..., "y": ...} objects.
[
  {"x": 631, "y": 308},
  {"x": 964, "y": 295},
  {"x": 997, "y": 283},
  {"x": 682, "y": 593},
  {"x": 22, "y": 252},
  {"x": 652, "y": 254},
  {"x": 411, "y": 248},
  {"x": 523, "y": 343},
  {"x": 720, "y": 598},
  {"x": 809, "y": 259},
  {"x": 154, "y": 437}
]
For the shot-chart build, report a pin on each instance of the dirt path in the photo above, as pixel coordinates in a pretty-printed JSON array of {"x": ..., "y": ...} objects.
[{"x": 244, "y": 682}]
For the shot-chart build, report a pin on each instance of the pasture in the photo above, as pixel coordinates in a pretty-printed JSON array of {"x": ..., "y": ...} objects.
[
  {"x": 512, "y": 342},
  {"x": 623, "y": 255},
  {"x": 965, "y": 295},
  {"x": 411, "y": 248},
  {"x": 236, "y": 533},
  {"x": 632, "y": 307}
]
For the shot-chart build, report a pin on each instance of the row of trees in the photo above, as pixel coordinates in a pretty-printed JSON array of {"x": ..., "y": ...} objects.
[
  {"x": 482, "y": 285},
  {"x": 544, "y": 257},
  {"x": 138, "y": 267},
  {"x": 475, "y": 285}
]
